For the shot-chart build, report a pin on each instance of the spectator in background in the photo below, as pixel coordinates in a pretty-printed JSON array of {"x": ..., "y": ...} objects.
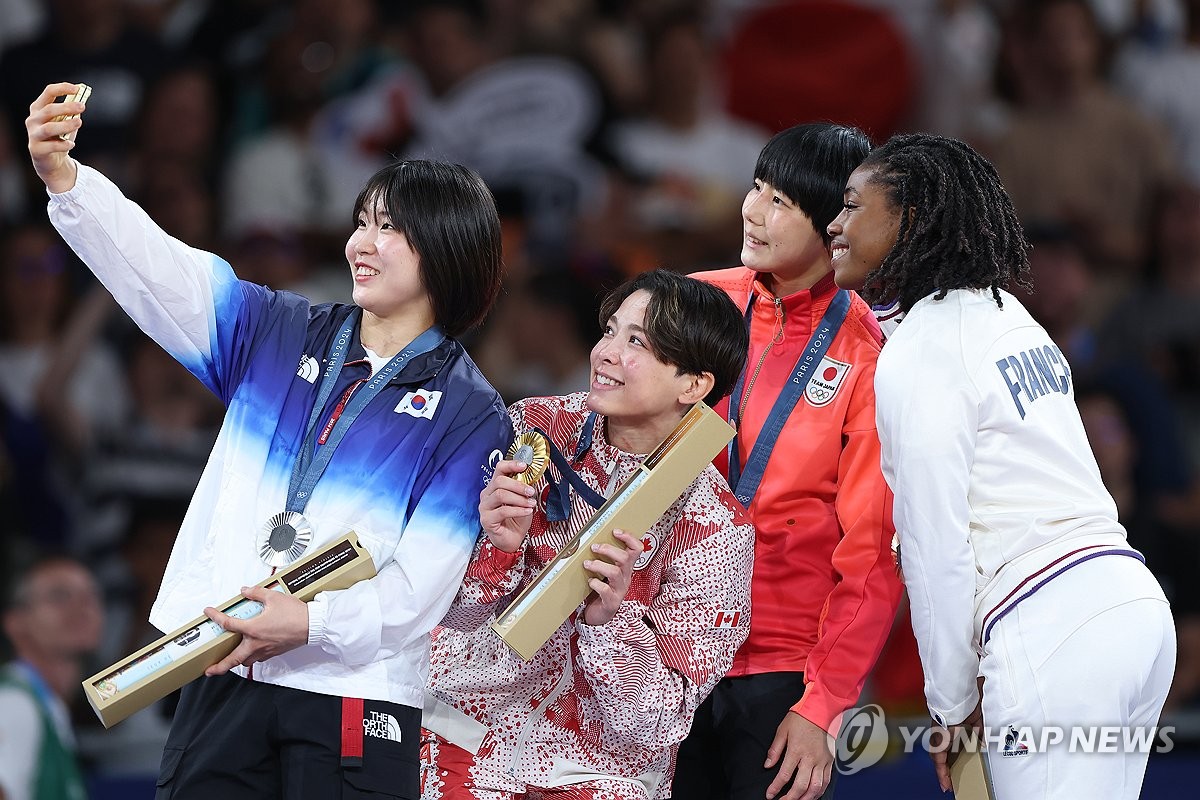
[
  {"x": 281, "y": 258},
  {"x": 1157, "y": 323},
  {"x": 312, "y": 123},
  {"x": 179, "y": 121},
  {"x": 92, "y": 42},
  {"x": 959, "y": 58},
  {"x": 1062, "y": 300},
  {"x": 1062, "y": 295},
  {"x": 279, "y": 177},
  {"x": 1160, "y": 77},
  {"x": 159, "y": 453},
  {"x": 52, "y": 413},
  {"x": 173, "y": 163},
  {"x": 1075, "y": 152},
  {"x": 538, "y": 340},
  {"x": 15, "y": 201},
  {"x": 134, "y": 748},
  {"x": 523, "y": 122},
  {"x": 1172, "y": 551},
  {"x": 686, "y": 156},
  {"x": 53, "y": 619}
]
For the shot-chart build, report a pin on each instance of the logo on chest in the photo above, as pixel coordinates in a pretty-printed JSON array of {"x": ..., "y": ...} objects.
[
  {"x": 308, "y": 368},
  {"x": 826, "y": 380}
]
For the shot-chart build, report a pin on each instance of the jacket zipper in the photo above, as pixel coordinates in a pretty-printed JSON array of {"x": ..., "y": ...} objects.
[{"x": 762, "y": 358}]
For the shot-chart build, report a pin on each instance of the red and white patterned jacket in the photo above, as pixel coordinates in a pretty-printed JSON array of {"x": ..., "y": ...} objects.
[{"x": 596, "y": 701}]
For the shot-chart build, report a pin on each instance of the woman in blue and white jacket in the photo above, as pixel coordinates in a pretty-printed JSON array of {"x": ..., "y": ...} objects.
[{"x": 368, "y": 417}]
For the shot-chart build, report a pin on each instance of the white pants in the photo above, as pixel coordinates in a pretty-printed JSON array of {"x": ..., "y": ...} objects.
[{"x": 1091, "y": 653}]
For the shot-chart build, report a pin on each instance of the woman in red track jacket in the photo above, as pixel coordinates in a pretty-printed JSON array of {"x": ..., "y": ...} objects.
[{"x": 825, "y": 590}]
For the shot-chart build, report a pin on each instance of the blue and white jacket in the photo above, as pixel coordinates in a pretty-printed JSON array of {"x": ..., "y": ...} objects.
[{"x": 406, "y": 478}]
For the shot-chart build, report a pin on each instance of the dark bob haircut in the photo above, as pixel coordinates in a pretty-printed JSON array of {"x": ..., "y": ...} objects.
[
  {"x": 810, "y": 164},
  {"x": 690, "y": 325},
  {"x": 449, "y": 217}
]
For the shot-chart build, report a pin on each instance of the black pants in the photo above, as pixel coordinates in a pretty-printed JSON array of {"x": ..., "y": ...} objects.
[
  {"x": 722, "y": 757},
  {"x": 234, "y": 738}
]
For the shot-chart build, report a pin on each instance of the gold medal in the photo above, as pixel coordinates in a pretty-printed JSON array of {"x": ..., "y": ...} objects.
[{"x": 530, "y": 448}]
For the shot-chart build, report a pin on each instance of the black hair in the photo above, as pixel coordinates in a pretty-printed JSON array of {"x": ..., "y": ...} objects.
[
  {"x": 958, "y": 227},
  {"x": 55, "y": 257},
  {"x": 1028, "y": 16},
  {"x": 21, "y": 582},
  {"x": 810, "y": 164},
  {"x": 449, "y": 217},
  {"x": 475, "y": 12},
  {"x": 564, "y": 290},
  {"x": 690, "y": 325}
]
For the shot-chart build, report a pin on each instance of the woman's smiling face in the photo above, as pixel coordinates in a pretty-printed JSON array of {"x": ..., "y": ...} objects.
[{"x": 865, "y": 231}]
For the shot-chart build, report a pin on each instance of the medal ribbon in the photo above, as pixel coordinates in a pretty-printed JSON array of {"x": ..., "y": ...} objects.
[
  {"x": 558, "y": 501},
  {"x": 310, "y": 462},
  {"x": 745, "y": 484}
]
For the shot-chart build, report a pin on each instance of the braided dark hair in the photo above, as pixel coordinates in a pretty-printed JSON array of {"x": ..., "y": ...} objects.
[{"x": 958, "y": 227}]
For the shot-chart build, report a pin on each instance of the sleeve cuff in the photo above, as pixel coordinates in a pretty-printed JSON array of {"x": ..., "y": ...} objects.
[
  {"x": 318, "y": 609},
  {"x": 818, "y": 713},
  {"x": 955, "y": 714},
  {"x": 71, "y": 193},
  {"x": 496, "y": 565},
  {"x": 626, "y": 626}
]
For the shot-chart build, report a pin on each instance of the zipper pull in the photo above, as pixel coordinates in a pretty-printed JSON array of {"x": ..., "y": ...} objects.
[{"x": 778, "y": 321}]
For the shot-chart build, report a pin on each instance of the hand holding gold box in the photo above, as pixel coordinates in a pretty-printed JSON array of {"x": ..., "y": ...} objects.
[
  {"x": 179, "y": 657},
  {"x": 969, "y": 774},
  {"x": 541, "y": 608}
]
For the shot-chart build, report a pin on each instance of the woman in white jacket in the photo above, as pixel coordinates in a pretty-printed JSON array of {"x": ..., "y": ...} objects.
[
  {"x": 367, "y": 417},
  {"x": 1019, "y": 575}
]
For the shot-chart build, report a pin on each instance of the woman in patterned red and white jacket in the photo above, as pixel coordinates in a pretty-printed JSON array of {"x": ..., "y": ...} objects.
[{"x": 600, "y": 709}]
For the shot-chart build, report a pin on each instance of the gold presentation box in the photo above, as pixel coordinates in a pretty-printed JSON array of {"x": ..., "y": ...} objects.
[
  {"x": 163, "y": 666},
  {"x": 970, "y": 776},
  {"x": 559, "y": 589}
]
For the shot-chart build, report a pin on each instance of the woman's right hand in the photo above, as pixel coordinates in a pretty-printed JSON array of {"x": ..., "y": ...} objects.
[
  {"x": 48, "y": 150},
  {"x": 506, "y": 507}
]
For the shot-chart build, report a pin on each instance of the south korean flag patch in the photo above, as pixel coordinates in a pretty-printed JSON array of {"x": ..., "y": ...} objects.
[
  {"x": 826, "y": 380},
  {"x": 420, "y": 404}
]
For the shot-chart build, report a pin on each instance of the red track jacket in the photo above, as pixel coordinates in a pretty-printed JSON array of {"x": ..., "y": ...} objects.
[{"x": 825, "y": 589}]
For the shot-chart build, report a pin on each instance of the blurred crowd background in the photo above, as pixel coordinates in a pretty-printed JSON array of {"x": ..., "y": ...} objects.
[{"x": 617, "y": 135}]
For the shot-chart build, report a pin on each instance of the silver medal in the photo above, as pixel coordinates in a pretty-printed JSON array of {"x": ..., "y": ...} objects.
[{"x": 284, "y": 538}]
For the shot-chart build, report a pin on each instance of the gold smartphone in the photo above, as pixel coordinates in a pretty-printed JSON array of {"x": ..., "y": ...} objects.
[{"x": 81, "y": 96}]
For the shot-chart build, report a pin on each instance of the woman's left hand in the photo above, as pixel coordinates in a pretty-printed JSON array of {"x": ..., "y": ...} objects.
[
  {"x": 281, "y": 626},
  {"x": 945, "y": 745},
  {"x": 611, "y": 577}
]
